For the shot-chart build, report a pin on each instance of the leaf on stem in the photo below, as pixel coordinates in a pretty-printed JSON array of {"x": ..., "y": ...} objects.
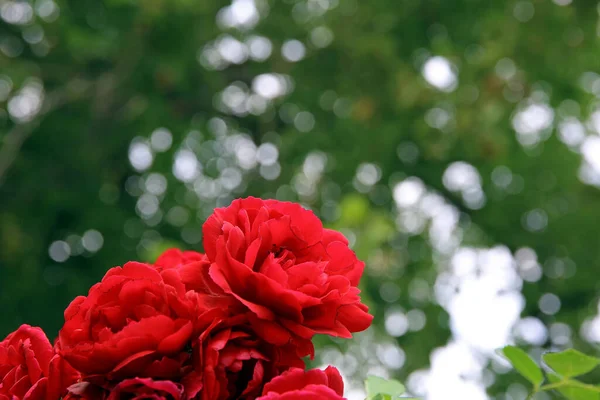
[
  {"x": 572, "y": 391},
  {"x": 570, "y": 362},
  {"x": 523, "y": 364},
  {"x": 383, "y": 389}
]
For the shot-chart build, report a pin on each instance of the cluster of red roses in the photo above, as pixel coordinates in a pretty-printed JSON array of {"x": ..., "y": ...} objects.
[{"x": 233, "y": 323}]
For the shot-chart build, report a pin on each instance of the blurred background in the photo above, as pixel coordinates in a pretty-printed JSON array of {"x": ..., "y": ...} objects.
[{"x": 455, "y": 143}]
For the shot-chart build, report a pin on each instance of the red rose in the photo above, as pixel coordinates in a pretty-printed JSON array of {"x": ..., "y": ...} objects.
[
  {"x": 138, "y": 388},
  {"x": 297, "y": 384},
  {"x": 29, "y": 368},
  {"x": 134, "y": 388},
  {"x": 86, "y": 391},
  {"x": 293, "y": 275},
  {"x": 135, "y": 323},
  {"x": 231, "y": 362},
  {"x": 193, "y": 269},
  {"x": 175, "y": 258}
]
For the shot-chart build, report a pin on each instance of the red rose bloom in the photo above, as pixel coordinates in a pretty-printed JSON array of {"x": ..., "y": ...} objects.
[
  {"x": 29, "y": 368},
  {"x": 86, "y": 391},
  {"x": 135, "y": 323},
  {"x": 231, "y": 362},
  {"x": 175, "y": 258},
  {"x": 138, "y": 388},
  {"x": 193, "y": 269},
  {"x": 297, "y": 384},
  {"x": 291, "y": 274}
]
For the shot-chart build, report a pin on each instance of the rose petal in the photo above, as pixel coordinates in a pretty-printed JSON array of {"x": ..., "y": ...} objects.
[{"x": 176, "y": 341}]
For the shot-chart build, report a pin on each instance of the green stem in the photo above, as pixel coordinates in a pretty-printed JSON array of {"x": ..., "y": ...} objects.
[
  {"x": 564, "y": 383},
  {"x": 530, "y": 396},
  {"x": 536, "y": 389},
  {"x": 558, "y": 385}
]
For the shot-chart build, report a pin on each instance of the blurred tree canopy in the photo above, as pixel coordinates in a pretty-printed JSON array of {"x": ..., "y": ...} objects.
[{"x": 453, "y": 142}]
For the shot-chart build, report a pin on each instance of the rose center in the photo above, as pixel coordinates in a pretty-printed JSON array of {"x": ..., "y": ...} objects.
[
  {"x": 238, "y": 381},
  {"x": 283, "y": 256}
]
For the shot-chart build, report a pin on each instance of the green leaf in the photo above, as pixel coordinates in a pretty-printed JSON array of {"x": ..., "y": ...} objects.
[
  {"x": 570, "y": 362},
  {"x": 573, "y": 392},
  {"x": 381, "y": 396},
  {"x": 383, "y": 389},
  {"x": 523, "y": 364}
]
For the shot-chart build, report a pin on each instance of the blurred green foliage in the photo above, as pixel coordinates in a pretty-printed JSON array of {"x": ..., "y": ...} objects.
[
  {"x": 562, "y": 368},
  {"x": 358, "y": 98}
]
